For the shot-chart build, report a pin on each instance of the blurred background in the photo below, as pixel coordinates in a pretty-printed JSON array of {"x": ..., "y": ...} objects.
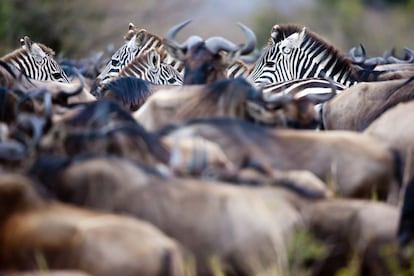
[{"x": 78, "y": 28}]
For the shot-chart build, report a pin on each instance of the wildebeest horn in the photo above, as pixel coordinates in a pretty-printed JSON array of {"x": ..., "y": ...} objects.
[
  {"x": 409, "y": 53},
  {"x": 215, "y": 44},
  {"x": 250, "y": 44},
  {"x": 173, "y": 32},
  {"x": 358, "y": 54}
]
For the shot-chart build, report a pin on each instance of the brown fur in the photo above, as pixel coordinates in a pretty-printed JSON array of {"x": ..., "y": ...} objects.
[
  {"x": 394, "y": 128},
  {"x": 246, "y": 229},
  {"x": 238, "y": 227},
  {"x": 355, "y": 165},
  {"x": 358, "y": 106},
  {"x": 195, "y": 101},
  {"x": 70, "y": 237},
  {"x": 364, "y": 230},
  {"x": 19, "y": 51}
]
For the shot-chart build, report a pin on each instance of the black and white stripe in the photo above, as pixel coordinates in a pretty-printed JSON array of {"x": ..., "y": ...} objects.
[
  {"x": 137, "y": 44},
  {"x": 36, "y": 61},
  {"x": 149, "y": 66},
  {"x": 238, "y": 69},
  {"x": 319, "y": 89},
  {"x": 296, "y": 53}
]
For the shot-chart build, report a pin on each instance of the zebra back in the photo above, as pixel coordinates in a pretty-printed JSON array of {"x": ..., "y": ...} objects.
[
  {"x": 312, "y": 88},
  {"x": 137, "y": 42},
  {"x": 149, "y": 66},
  {"x": 294, "y": 52},
  {"x": 36, "y": 61}
]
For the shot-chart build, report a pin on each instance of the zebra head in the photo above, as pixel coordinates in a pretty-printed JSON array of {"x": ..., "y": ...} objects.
[
  {"x": 149, "y": 66},
  {"x": 206, "y": 60},
  {"x": 294, "y": 52},
  {"x": 127, "y": 52},
  {"x": 36, "y": 61}
]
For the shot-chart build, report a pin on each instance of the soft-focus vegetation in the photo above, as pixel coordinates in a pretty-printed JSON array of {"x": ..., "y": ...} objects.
[
  {"x": 62, "y": 25},
  {"x": 379, "y": 25},
  {"x": 78, "y": 27}
]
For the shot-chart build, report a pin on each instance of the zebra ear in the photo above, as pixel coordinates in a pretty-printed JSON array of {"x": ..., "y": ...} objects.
[
  {"x": 275, "y": 35},
  {"x": 302, "y": 34},
  {"x": 140, "y": 37},
  {"x": 37, "y": 52},
  {"x": 131, "y": 32}
]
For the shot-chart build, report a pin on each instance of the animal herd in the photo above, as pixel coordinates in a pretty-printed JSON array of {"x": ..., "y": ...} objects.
[{"x": 207, "y": 157}]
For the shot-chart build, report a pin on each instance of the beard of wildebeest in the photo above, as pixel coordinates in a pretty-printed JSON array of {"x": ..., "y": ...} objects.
[{"x": 202, "y": 66}]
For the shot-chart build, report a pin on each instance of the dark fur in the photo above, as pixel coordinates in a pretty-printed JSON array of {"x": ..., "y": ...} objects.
[
  {"x": 406, "y": 224},
  {"x": 233, "y": 94},
  {"x": 131, "y": 92}
]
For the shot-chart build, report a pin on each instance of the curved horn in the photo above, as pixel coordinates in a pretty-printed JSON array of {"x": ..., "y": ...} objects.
[
  {"x": 216, "y": 44},
  {"x": 358, "y": 54},
  {"x": 173, "y": 32},
  {"x": 250, "y": 44},
  {"x": 409, "y": 53}
]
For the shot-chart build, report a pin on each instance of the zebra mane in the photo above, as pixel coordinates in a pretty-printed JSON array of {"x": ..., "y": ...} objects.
[
  {"x": 21, "y": 51},
  {"x": 131, "y": 92},
  {"x": 280, "y": 32}
]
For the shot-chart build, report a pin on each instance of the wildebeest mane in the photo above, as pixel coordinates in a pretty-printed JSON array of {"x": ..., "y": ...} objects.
[
  {"x": 131, "y": 92},
  {"x": 220, "y": 98},
  {"x": 99, "y": 112}
]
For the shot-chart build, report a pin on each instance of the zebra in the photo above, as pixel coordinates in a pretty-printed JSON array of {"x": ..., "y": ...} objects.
[
  {"x": 36, "y": 61},
  {"x": 238, "y": 69},
  {"x": 294, "y": 52},
  {"x": 137, "y": 42},
  {"x": 316, "y": 89},
  {"x": 149, "y": 66}
]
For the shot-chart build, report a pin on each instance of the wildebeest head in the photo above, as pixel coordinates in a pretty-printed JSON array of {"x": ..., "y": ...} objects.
[{"x": 206, "y": 60}]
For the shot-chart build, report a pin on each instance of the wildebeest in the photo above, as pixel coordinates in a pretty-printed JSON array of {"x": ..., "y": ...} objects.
[
  {"x": 355, "y": 164},
  {"x": 34, "y": 229},
  {"x": 214, "y": 221},
  {"x": 393, "y": 127},
  {"x": 104, "y": 127},
  {"x": 354, "y": 229},
  {"x": 358, "y": 106},
  {"x": 206, "y": 60},
  {"x": 235, "y": 98},
  {"x": 246, "y": 230}
]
